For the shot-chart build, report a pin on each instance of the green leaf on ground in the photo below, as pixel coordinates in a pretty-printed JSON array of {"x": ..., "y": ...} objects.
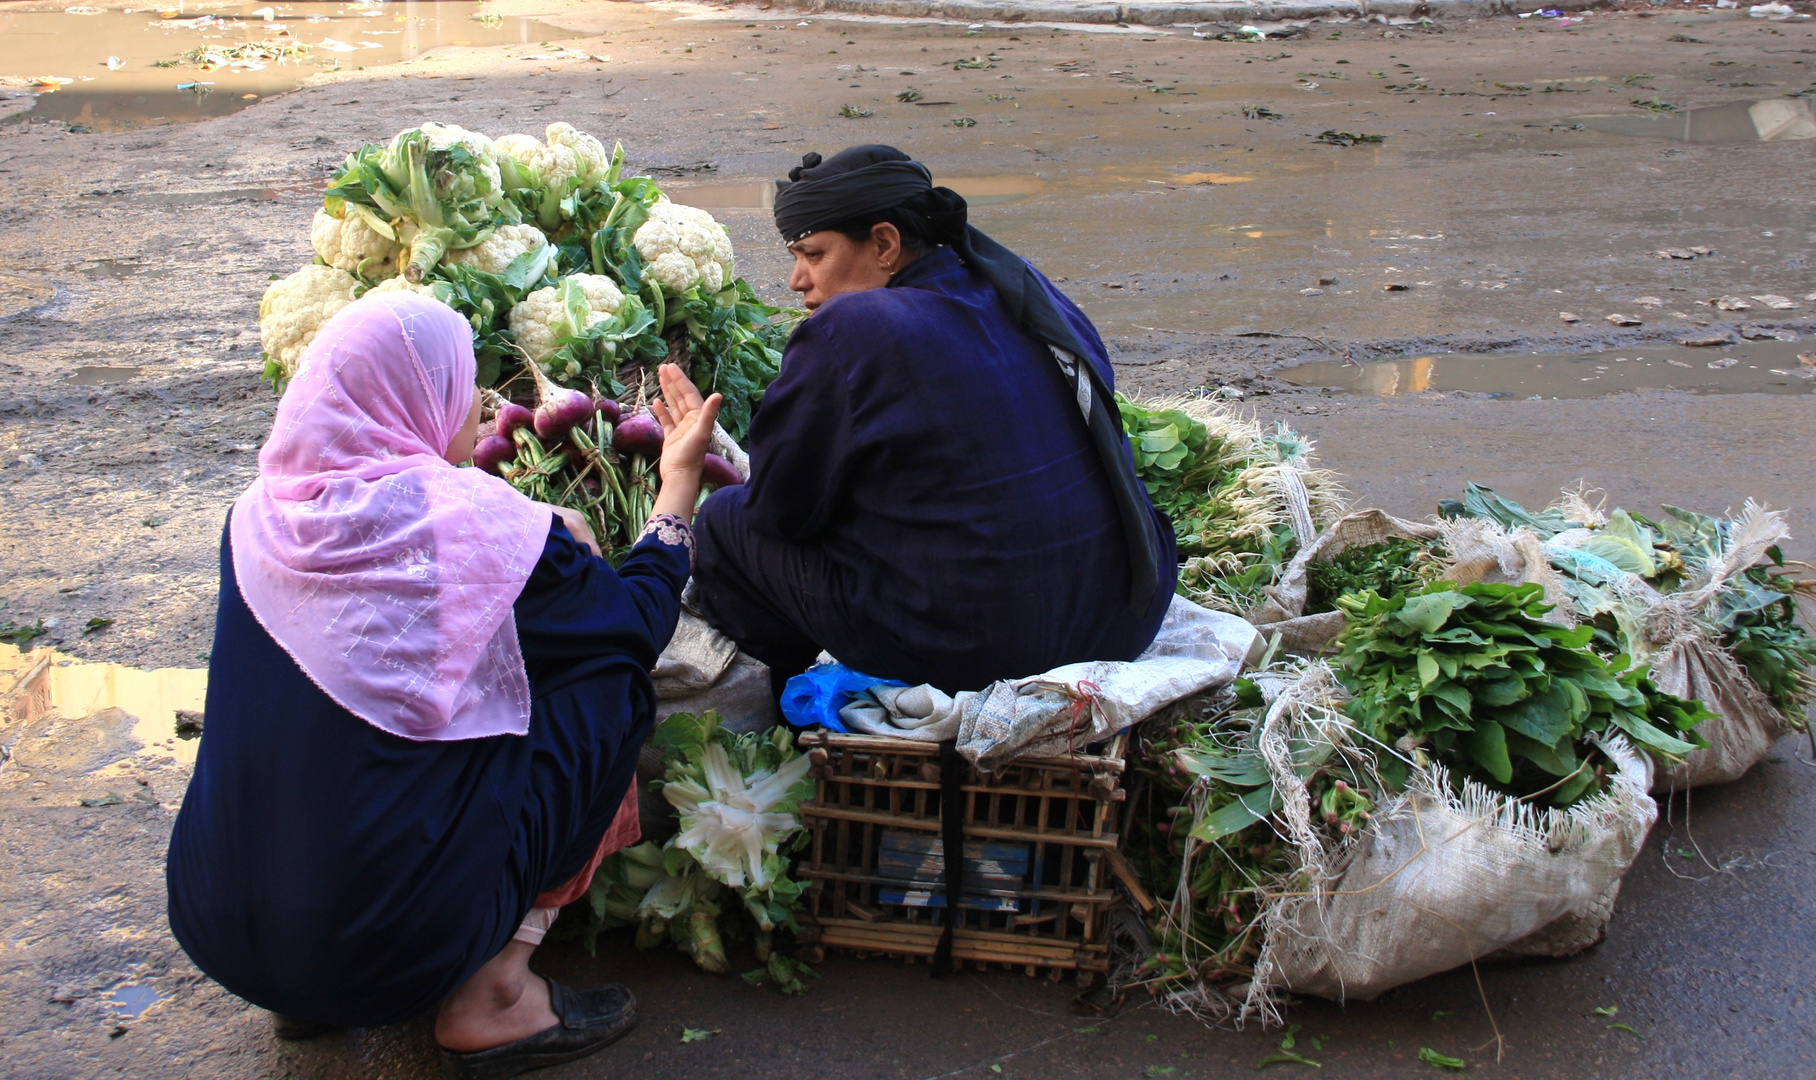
[
  {"x": 96, "y": 623},
  {"x": 697, "y": 1034},
  {"x": 1441, "y": 1061},
  {"x": 22, "y": 636}
]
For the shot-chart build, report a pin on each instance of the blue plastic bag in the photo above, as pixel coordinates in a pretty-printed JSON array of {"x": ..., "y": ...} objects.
[{"x": 816, "y": 695}]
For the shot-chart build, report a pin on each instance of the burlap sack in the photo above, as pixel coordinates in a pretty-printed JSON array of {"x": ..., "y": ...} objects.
[
  {"x": 1745, "y": 726},
  {"x": 1668, "y": 632},
  {"x": 1572, "y": 933},
  {"x": 1483, "y": 551},
  {"x": 694, "y": 660},
  {"x": 1440, "y": 879}
]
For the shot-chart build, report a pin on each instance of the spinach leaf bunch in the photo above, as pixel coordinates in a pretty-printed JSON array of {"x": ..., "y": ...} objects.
[
  {"x": 1474, "y": 677},
  {"x": 1391, "y": 567}
]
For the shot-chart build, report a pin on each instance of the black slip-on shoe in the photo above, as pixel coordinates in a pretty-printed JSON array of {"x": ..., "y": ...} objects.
[
  {"x": 589, "y": 1020},
  {"x": 290, "y": 1029}
]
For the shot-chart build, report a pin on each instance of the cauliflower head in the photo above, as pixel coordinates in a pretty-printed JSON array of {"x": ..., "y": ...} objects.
[
  {"x": 293, "y": 310},
  {"x": 540, "y": 320},
  {"x": 682, "y": 246},
  {"x": 588, "y": 151},
  {"x": 349, "y": 243},
  {"x": 497, "y": 251},
  {"x": 571, "y": 158},
  {"x": 480, "y": 180}
]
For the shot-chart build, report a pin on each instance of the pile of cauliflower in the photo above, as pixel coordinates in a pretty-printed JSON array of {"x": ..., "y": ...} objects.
[{"x": 539, "y": 242}]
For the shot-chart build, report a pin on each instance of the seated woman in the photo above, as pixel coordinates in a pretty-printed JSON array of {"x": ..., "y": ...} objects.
[
  {"x": 425, "y": 703},
  {"x": 940, "y": 488}
]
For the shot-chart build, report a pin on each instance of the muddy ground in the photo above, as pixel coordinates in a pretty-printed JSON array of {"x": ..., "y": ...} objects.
[{"x": 1180, "y": 222}]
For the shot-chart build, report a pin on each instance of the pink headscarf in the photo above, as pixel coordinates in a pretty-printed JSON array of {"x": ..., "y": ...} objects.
[{"x": 387, "y": 573}]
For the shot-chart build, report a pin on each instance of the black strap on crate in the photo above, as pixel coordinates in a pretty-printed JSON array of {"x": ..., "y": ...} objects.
[{"x": 952, "y": 844}]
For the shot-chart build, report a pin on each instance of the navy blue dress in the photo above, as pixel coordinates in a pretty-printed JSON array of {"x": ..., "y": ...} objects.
[
  {"x": 333, "y": 872},
  {"x": 925, "y": 502}
]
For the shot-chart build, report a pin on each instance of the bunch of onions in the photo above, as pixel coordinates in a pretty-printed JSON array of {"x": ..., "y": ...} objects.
[{"x": 577, "y": 450}]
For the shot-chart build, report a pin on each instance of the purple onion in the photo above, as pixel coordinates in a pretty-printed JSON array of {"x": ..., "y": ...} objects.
[
  {"x": 608, "y": 409},
  {"x": 491, "y": 452},
  {"x": 512, "y": 416},
  {"x": 640, "y": 434},
  {"x": 718, "y": 473},
  {"x": 560, "y": 410}
]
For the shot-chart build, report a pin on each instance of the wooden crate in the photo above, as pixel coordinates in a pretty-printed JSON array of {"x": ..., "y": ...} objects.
[{"x": 1040, "y": 851}]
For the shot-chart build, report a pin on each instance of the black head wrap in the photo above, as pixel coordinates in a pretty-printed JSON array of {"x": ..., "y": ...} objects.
[{"x": 864, "y": 180}]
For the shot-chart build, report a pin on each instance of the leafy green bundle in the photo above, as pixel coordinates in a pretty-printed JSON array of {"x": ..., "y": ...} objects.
[
  {"x": 1201, "y": 789},
  {"x": 1224, "y": 481},
  {"x": 614, "y": 491},
  {"x": 1475, "y": 677},
  {"x": 1754, "y": 614},
  {"x": 1390, "y": 568},
  {"x": 738, "y": 799}
]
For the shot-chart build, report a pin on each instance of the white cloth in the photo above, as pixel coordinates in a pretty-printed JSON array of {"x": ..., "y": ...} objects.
[{"x": 1074, "y": 705}]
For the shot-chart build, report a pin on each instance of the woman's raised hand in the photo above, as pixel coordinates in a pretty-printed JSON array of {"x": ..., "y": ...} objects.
[
  {"x": 687, "y": 425},
  {"x": 687, "y": 431}
]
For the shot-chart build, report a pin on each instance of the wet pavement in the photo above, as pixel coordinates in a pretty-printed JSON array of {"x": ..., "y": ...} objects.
[
  {"x": 1177, "y": 188},
  {"x": 1747, "y": 368},
  {"x": 109, "y": 70}
]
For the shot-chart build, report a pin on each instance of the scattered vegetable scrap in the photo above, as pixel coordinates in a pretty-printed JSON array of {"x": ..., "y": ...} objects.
[
  {"x": 1441, "y": 1061},
  {"x": 1347, "y": 138}
]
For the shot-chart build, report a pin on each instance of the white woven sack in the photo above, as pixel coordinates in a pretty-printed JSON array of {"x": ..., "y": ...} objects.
[
  {"x": 1744, "y": 727},
  {"x": 1441, "y": 880},
  {"x": 1670, "y": 636}
]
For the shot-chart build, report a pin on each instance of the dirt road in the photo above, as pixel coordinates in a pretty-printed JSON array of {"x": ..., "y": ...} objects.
[{"x": 1176, "y": 187}]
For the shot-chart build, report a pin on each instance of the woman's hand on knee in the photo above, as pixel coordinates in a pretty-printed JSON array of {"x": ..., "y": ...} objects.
[{"x": 577, "y": 526}]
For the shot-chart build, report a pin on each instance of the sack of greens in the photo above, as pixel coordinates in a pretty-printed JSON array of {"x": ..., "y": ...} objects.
[
  {"x": 1709, "y": 603},
  {"x": 1461, "y": 775},
  {"x": 1366, "y": 549}
]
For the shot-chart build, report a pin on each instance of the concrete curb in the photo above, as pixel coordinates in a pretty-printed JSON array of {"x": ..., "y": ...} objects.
[{"x": 1172, "y": 12}]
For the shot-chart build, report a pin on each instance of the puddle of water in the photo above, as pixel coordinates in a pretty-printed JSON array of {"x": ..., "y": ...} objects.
[
  {"x": 1759, "y": 367},
  {"x": 1771, "y": 120},
  {"x": 130, "y": 1000},
  {"x": 109, "y": 57},
  {"x": 43, "y": 680},
  {"x": 115, "y": 270},
  {"x": 761, "y": 194},
  {"x": 99, "y": 376}
]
